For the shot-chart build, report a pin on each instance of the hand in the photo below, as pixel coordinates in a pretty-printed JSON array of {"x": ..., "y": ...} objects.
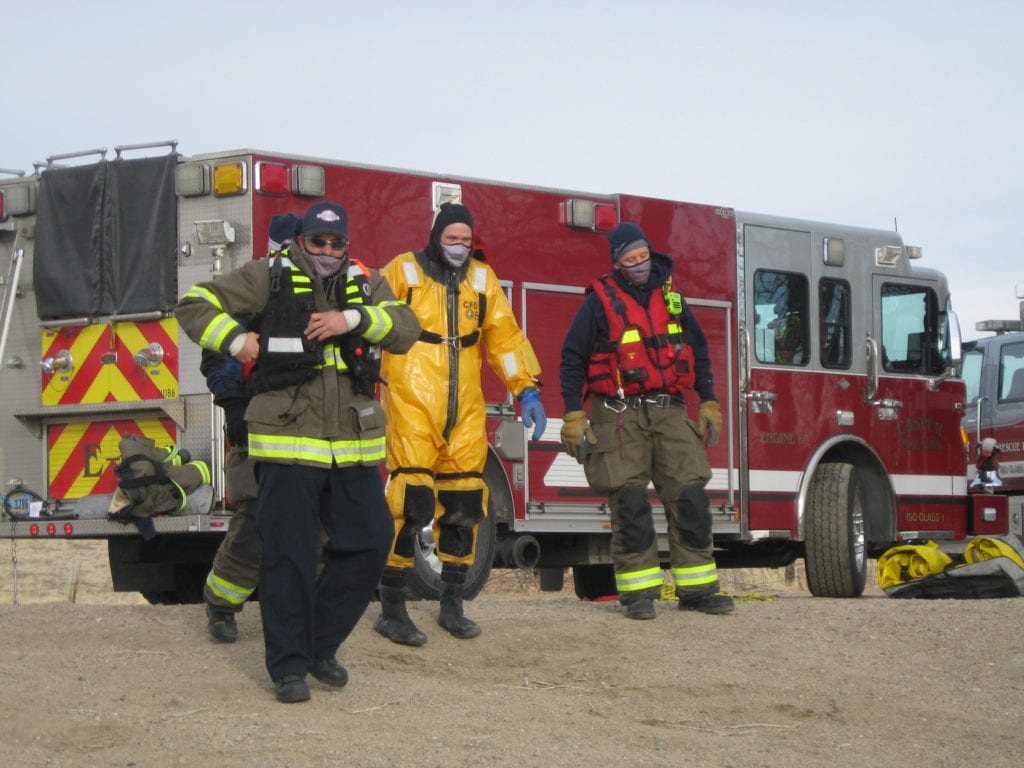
[
  {"x": 710, "y": 421},
  {"x": 533, "y": 412},
  {"x": 575, "y": 432},
  {"x": 250, "y": 349},
  {"x": 324, "y": 325},
  {"x": 234, "y": 423}
]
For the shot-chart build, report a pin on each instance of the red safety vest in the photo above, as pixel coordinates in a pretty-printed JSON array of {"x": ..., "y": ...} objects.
[{"x": 646, "y": 349}]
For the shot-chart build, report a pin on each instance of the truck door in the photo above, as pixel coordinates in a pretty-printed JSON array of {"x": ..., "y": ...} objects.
[
  {"x": 915, "y": 425},
  {"x": 780, "y": 402}
]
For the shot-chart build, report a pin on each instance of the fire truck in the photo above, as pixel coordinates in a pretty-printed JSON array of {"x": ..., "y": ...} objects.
[
  {"x": 993, "y": 371},
  {"x": 833, "y": 354}
]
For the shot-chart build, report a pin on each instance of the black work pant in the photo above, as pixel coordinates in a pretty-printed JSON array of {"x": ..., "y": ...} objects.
[{"x": 306, "y": 617}]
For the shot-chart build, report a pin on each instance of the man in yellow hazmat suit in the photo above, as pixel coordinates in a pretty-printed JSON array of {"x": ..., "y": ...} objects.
[{"x": 436, "y": 433}]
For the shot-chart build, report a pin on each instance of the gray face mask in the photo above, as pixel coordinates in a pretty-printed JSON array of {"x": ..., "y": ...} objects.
[
  {"x": 638, "y": 274},
  {"x": 325, "y": 266},
  {"x": 456, "y": 254}
]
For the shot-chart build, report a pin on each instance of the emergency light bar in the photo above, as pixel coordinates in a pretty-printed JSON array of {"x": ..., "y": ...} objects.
[{"x": 1000, "y": 326}]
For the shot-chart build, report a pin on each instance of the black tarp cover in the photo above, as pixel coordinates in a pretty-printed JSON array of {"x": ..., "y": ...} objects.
[{"x": 106, "y": 239}]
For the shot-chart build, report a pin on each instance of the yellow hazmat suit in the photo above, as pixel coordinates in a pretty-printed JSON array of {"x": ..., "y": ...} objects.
[{"x": 436, "y": 433}]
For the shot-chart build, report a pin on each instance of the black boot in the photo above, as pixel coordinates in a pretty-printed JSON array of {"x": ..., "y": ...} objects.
[
  {"x": 394, "y": 622},
  {"x": 451, "y": 616}
]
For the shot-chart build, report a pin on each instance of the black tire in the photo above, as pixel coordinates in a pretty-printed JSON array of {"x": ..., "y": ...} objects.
[
  {"x": 424, "y": 579},
  {"x": 594, "y": 581},
  {"x": 834, "y": 541}
]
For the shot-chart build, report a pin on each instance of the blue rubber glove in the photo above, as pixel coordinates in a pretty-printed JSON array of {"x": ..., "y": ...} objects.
[{"x": 533, "y": 411}]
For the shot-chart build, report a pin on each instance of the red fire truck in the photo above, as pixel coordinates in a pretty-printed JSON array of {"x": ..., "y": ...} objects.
[
  {"x": 833, "y": 355},
  {"x": 993, "y": 371}
]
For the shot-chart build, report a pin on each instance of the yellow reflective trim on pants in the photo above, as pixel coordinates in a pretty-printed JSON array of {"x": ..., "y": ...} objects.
[
  {"x": 202, "y": 469},
  {"x": 695, "y": 576},
  {"x": 634, "y": 581},
  {"x": 226, "y": 591},
  {"x": 315, "y": 450}
]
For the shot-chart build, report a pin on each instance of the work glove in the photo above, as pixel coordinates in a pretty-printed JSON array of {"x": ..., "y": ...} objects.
[
  {"x": 533, "y": 411},
  {"x": 234, "y": 423},
  {"x": 577, "y": 435},
  {"x": 709, "y": 421}
]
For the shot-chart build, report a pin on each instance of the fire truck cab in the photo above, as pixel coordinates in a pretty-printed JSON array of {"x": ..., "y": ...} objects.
[
  {"x": 833, "y": 353},
  {"x": 993, "y": 371}
]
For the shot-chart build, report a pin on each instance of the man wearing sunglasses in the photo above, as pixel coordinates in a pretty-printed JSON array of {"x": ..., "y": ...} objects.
[
  {"x": 437, "y": 434},
  {"x": 317, "y": 320}
]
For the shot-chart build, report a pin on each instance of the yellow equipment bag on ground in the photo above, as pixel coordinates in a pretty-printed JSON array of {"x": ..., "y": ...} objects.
[{"x": 990, "y": 567}]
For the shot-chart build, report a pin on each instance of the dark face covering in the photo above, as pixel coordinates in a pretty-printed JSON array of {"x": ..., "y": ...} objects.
[{"x": 638, "y": 274}]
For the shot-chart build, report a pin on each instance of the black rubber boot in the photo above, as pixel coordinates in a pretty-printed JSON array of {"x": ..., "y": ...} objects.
[
  {"x": 394, "y": 622},
  {"x": 221, "y": 624},
  {"x": 451, "y": 617}
]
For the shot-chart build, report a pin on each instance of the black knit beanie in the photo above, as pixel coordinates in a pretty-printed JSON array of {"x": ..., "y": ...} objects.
[{"x": 450, "y": 213}]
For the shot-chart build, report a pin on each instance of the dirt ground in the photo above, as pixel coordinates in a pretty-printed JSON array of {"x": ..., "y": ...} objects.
[{"x": 91, "y": 678}]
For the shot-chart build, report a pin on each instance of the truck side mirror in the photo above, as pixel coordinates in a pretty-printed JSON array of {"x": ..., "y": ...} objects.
[{"x": 950, "y": 347}]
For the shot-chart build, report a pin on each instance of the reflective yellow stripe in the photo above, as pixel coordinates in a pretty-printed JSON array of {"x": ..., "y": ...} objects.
[
  {"x": 315, "y": 450},
  {"x": 300, "y": 282},
  {"x": 333, "y": 359},
  {"x": 695, "y": 576},
  {"x": 182, "y": 495},
  {"x": 630, "y": 335},
  {"x": 226, "y": 591},
  {"x": 204, "y": 471},
  {"x": 217, "y": 332},
  {"x": 634, "y": 581},
  {"x": 208, "y": 296},
  {"x": 380, "y": 324}
]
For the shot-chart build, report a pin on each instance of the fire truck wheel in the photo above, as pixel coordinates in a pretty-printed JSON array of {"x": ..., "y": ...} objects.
[
  {"x": 424, "y": 581},
  {"x": 834, "y": 540},
  {"x": 594, "y": 581}
]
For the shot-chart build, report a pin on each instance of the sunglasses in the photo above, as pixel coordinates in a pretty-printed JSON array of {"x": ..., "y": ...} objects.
[{"x": 320, "y": 242}]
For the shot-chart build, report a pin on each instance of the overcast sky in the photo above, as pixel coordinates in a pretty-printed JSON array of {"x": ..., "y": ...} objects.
[{"x": 864, "y": 113}]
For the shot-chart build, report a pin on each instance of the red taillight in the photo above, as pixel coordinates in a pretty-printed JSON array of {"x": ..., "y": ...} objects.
[
  {"x": 33, "y": 529},
  {"x": 605, "y": 218},
  {"x": 216, "y": 524},
  {"x": 68, "y": 529},
  {"x": 51, "y": 529},
  {"x": 271, "y": 179}
]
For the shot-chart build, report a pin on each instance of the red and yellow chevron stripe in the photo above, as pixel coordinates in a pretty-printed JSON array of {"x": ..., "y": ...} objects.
[
  {"x": 103, "y": 369},
  {"x": 81, "y": 455}
]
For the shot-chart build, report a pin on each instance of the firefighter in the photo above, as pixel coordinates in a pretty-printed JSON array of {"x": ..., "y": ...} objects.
[
  {"x": 635, "y": 349},
  {"x": 437, "y": 441},
  {"x": 236, "y": 566},
  {"x": 315, "y": 431}
]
